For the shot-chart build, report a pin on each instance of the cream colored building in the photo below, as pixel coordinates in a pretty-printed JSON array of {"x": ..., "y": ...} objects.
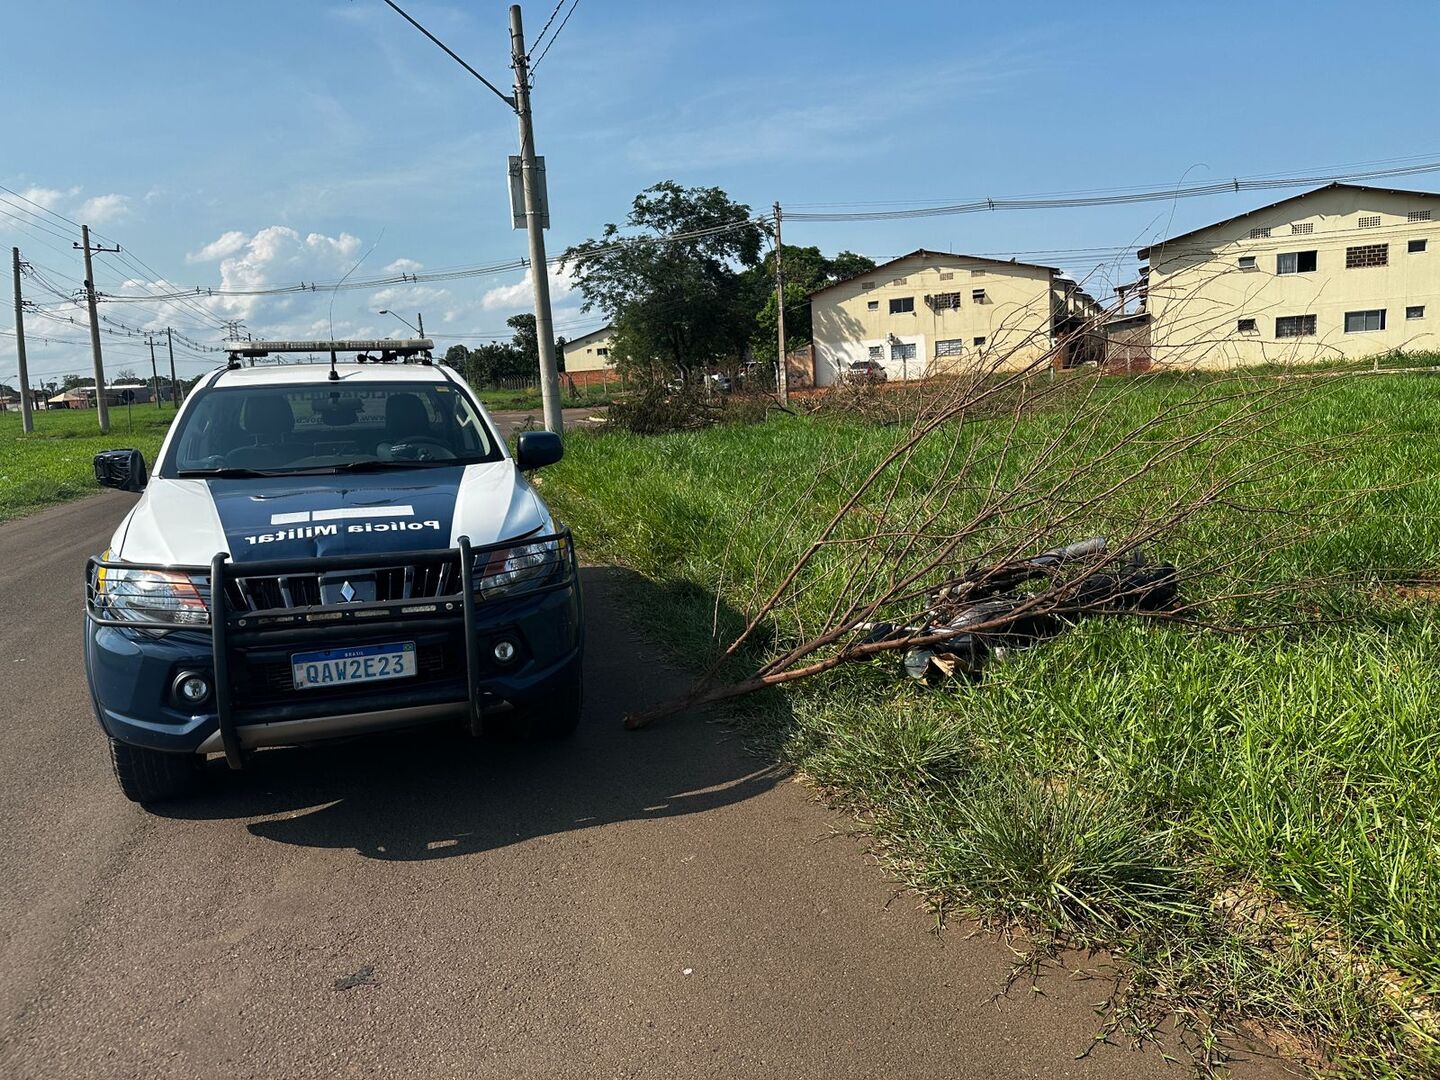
[
  {"x": 1343, "y": 271},
  {"x": 930, "y": 312},
  {"x": 590, "y": 352}
]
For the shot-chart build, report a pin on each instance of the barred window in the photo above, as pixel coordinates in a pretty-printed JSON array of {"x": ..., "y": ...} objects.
[
  {"x": 1364, "y": 255},
  {"x": 949, "y": 347},
  {"x": 877, "y": 352},
  {"x": 1304, "y": 228},
  {"x": 946, "y": 277},
  {"x": 977, "y": 295},
  {"x": 902, "y": 305},
  {"x": 1245, "y": 326},
  {"x": 1259, "y": 233},
  {"x": 900, "y": 350},
  {"x": 1369, "y": 221},
  {"x": 1418, "y": 215},
  {"x": 945, "y": 300},
  {"x": 1360, "y": 322},
  {"x": 1287, "y": 326}
]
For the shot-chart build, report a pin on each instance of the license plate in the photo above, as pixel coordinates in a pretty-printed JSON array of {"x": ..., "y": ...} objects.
[{"x": 360, "y": 663}]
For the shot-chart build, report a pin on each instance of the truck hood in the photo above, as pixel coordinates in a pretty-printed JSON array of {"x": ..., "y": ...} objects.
[{"x": 187, "y": 522}]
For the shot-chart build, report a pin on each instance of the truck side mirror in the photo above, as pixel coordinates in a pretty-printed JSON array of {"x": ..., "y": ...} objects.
[
  {"x": 122, "y": 469},
  {"x": 536, "y": 449}
]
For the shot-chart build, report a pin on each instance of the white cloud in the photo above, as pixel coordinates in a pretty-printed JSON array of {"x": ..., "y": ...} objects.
[
  {"x": 226, "y": 244},
  {"x": 404, "y": 266},
  {"x": 49, "y": 198},
  {"x": 519, "y": 295},
  {"x": 104, "y": 209}
]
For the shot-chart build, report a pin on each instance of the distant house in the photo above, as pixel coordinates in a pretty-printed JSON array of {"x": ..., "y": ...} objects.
[
  {"x": 1344, "y": 270},
  {"x": 930, "y": 312},
  {"x": 587, "y": 358}
]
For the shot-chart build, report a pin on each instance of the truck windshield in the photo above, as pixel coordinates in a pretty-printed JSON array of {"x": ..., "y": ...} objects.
[{"x": 313, "y": 428}]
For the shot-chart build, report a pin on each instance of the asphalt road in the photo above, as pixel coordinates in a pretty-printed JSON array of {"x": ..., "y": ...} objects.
[
  {"x": 512, "y": 420},
  {"x": 655, "y": 904}
]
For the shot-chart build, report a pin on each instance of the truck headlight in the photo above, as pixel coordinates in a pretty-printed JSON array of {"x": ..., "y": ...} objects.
[
  {"x": 150, "y": 596},
  {"x": 524, "y": 564}
]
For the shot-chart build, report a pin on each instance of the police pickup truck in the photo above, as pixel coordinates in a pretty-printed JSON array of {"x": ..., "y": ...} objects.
[{"x": 325, "y": 550}]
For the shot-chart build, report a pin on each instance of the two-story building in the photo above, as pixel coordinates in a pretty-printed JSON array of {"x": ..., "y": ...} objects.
[
  {"x": 1343, "y": 271},
  {"x": 587, "y": 358},
  {"x": 930, "y": 312}
]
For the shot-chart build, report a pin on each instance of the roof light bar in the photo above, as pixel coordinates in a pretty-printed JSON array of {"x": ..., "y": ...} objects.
[{"x": 392, "y": 346}]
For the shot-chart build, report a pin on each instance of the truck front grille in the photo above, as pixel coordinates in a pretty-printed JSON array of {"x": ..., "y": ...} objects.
[{"x": 417, "y": 580}]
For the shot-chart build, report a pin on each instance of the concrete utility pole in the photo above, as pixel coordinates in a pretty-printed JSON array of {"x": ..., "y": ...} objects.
[
  {"x": 102, "y": 408},
  {"x": 27, "y": 422},
  {"x": 174, "y": 386},
  {"x": 782, "y": 375},
  {"x": 420, "y": 322},
  {"x": 154, "y": 372},
  {"x": 529, "y": 176}
]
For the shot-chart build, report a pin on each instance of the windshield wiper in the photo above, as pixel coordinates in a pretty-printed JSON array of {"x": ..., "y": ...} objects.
[{"x": 241, "y": 473}]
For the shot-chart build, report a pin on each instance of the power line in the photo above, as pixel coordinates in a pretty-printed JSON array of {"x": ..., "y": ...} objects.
[
  {"x": 1055, "y": 202},
  {"x": 541, "y": 36},
  {"x": 573, "y": 5}
]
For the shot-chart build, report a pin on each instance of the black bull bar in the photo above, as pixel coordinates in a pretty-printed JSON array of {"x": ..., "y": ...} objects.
[{"x": 232, "y": 627}]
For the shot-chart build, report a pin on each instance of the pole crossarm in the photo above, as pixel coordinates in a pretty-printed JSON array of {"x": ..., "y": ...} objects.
[{"x": 510, "y": 101}]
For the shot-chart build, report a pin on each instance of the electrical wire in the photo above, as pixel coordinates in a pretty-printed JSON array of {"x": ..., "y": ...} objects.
[
  {"x": 573, "y": 5},
  {"x": 541, "y": 36}
]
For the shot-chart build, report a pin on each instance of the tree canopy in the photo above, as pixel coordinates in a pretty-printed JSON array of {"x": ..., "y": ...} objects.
[
  {"x": 519, "y": 358},
  {"x": 675, "y": 304},
  {"x": 805, "y": 270}
]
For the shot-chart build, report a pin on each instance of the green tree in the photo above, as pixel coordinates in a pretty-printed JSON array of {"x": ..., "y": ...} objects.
[
  {"x": 675, "y": 304},
  {"x": 806, "y": 269}
]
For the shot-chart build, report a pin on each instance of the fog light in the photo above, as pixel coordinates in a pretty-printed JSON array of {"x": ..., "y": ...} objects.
[
  {"x": 504, "y": 651},
  {"x": 191, "y": 688}
]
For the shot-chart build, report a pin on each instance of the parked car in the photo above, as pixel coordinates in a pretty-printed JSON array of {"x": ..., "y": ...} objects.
[
  {"x": 326, "y": 551},
  {"x": 865, "y": 371}
]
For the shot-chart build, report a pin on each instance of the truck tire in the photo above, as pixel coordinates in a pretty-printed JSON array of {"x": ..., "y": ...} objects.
[
  {"x": 152, "y": 776},
  {"x": 548, "y": 718}
]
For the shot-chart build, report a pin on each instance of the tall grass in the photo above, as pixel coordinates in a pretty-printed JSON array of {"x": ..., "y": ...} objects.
[{"x": 1116, "y": 785}]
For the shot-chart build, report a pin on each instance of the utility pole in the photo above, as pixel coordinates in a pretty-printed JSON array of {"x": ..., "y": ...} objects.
[
  {"x": 782, "y": 375},
  {"x": 102, "y": 408},
  {"x": 27, "y": 423},
  {"x": 174, "y": 386},
  {"x": 154, "y": 372},
  {"x": 530, "y": 179},
  {"x": 420, "y": 322}
]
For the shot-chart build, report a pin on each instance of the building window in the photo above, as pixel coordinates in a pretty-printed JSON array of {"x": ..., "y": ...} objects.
[
  {"x": 877, "y": 352},
  {"x": 1247, "y": 262},
  {"x": 941, "y": 301},
  {"x": 1245, "y": 326},
  {"x": 902, "y": 305},
  {"x": 1357, "y": 258},
  {"x": 601, "y": 352},
  {"x": 977, "y": 295},
  {"x": 1295, "y": 326},
  {"x": 950, "y": 347},
  {"x": 977, "y": 271},
  {"x": 1415, "y": 312},
  {"x": 867, "y": 285},
  {"x": 1259, "y": 233},
  {"x": 900, "y": 281},
  {"x": 1369, "y": 221},
  {"x": 1295, "y": 262},
  {"x": 1304, "y": 228},
  {"x": 900, "y": 350},
  {"x": 1360, "y": 322},
  {"x": 946, "y": 277},
  {"x": 872, "y": 305},
  {"x": 1418, "y": 215},
  {"x": 1416, "y": 246},
  {"x": 979, "y": 341}
]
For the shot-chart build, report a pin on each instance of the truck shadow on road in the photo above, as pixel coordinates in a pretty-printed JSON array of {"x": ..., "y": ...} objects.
[{"x": 437, "y": 793}]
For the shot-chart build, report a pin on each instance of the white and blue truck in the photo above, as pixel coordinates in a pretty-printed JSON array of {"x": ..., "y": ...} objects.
[{"x": 324, "y": 550}]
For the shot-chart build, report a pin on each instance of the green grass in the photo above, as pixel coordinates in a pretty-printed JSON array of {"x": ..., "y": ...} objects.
[
  {"x": 53, "y": 463},
  {"x": 515, "y": 400},
  {"x": 1117, "y": 785}
]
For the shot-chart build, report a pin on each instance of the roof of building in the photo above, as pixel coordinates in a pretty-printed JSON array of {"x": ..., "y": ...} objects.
[
  {"x": 1144, "y": 253},
  {"x": 925, "y": 252},
  {"x": 604, "y": 331}
]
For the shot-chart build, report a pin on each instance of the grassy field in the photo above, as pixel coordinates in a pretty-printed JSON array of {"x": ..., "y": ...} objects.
[
  {"x": 53, "y": 463},
  {"x": 1250, "y": 820},
  {"x": 530, "y": 399}
]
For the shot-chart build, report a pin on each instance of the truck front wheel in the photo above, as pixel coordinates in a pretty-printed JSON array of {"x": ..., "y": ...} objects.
[{"x": 152, "y": 776}]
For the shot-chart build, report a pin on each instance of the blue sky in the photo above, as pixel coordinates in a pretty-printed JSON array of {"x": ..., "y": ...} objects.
[{"x": 279, "y": 140}]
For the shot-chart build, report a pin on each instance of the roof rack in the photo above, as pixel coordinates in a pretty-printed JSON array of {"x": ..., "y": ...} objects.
[{"x": 391, "y": 350}]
